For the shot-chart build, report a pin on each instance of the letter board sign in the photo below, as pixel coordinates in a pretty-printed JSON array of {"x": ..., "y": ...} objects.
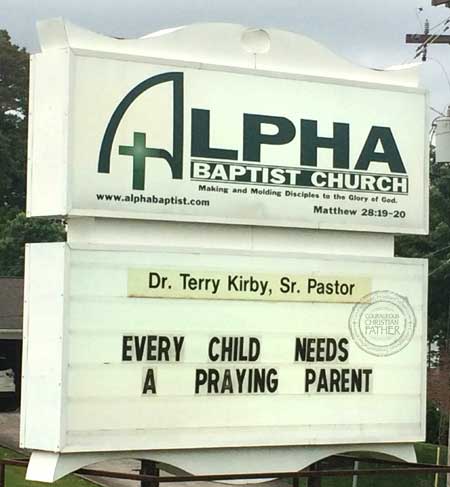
[{"x": 148, "y": 350}]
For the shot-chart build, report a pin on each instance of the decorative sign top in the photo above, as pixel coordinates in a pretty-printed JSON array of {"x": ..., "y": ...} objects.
[
  {"x": 259, "y": 137},
  {"x": 229, "y": 45}
]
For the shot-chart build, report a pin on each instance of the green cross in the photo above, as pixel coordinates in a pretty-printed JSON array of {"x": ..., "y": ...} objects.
[{"x": 139, "y": 153}]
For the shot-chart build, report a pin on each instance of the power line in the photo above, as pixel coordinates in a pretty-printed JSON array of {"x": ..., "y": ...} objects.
[
  {"x": 436, "y": 111},
  {"x": 444, "y": 70},
  {"x": 446, "y": 20},
  {"x": 431, "y": 39},
  {"x": 447, "y": 262},
  {"x": 430, "y": 36}
]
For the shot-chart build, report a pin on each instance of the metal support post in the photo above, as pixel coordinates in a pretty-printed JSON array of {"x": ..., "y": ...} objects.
[
  {"x": 355, "y": 477},
  {"x": 314, "y": 481},
  {"x": 147, "y": 468},
  {"x": 2, "y": 475}
]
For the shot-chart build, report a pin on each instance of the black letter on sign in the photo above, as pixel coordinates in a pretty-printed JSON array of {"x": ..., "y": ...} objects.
[
  {"x": 154, "y": 280},
  {"x": 200, "y": 138},
  {"x": 310, "y": 377},
  {"x": 310, "y": 142},
  {"x": 149, "y": 383},
  {"x": 390, "y": 154},
  {"x": 213, "y": 356},
  {"x": 254, "y": 139},
  {"x": 200, "y": 379},
  {"x": 127, "y": 348},
  {"x": 301, "y": 346}
]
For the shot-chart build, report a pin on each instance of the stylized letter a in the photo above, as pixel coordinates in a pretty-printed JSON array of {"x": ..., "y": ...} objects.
[{"x": 175, "y": 160}]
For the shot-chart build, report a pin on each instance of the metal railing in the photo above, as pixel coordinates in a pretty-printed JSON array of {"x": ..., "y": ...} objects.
[{"x": 392, "y": 468}]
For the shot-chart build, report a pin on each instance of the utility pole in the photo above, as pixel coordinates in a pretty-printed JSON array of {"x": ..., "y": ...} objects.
[
  {"x": 447, "y": 364},
  {"x": 426, "y": 39}
]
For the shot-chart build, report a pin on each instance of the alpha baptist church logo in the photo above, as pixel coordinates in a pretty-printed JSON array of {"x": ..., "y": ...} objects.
[
  {"x": 379, "y": 167},
  {"x": 139, "y": 150}
]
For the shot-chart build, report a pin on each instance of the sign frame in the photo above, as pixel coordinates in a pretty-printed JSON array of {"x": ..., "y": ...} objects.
[{"x": 52, "y": 370}]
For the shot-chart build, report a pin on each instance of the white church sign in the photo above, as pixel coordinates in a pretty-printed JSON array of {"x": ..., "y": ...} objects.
[
  {"x": 185, "y": 355},
  {"x": 114, "y": 135}
]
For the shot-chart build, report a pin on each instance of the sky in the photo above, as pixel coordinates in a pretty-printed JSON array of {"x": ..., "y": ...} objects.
[{"x": 370, "y": 33}]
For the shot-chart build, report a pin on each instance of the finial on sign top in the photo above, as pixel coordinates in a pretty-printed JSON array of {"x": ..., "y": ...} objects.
[{"x": 256, "y": 41}]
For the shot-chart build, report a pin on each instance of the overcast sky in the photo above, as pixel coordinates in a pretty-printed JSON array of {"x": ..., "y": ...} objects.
[{"x": 370, "y": 33}]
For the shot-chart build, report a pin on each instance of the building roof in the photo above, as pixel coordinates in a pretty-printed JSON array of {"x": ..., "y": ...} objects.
[{"x": 11, "y": 303}]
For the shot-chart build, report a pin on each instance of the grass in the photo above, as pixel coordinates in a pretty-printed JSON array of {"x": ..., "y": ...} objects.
[
  {"x": 426, "y": 453},
  {"x": 15, "y": 476}
]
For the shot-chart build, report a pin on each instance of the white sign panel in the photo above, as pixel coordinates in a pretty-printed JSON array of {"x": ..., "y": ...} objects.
[
  {"x": 156, "y": 350},
  {"x": 129, "y": 138}
]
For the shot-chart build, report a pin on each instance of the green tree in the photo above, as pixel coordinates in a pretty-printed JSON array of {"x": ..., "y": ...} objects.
[
  {"x": 15, "y": 229},
  {"x": 13, "y": 123},
  {"x": 435, "y": 247},
  {"x": 19, "y": 231}
]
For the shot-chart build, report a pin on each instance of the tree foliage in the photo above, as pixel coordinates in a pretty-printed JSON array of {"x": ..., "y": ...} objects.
[
  {"x": 19, "y": 231},
  {"x": 13, "y": 123},
  {"x": 13, "y": 76},
  {"x": 435, "y": 247},
  {"x": 15, "y": 229}
]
